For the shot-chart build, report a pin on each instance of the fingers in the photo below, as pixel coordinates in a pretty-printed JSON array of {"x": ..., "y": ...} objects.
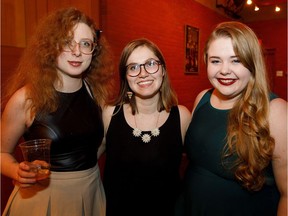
[
  {"x": 27, "y": 170},
  {"x": 26, "y": 175},
  {"x": 42, "y": 164},
  {"x": 22, "y": 185}
]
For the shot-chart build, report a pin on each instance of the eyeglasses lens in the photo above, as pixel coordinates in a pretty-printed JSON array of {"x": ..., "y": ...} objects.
[
  {"x": 150, "y": 66},
  {"x": 85, "y": 46}
]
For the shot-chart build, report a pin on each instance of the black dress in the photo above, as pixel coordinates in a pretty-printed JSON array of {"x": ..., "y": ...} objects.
[
  {"x": 76, "y": 130},
  {"x": 142, "y": 178},
  {"x": 210, "y": 188},
  {"x": 74, "y": 186}
]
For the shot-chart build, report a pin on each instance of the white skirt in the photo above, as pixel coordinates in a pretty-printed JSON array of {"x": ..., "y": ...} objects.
[{"x": 78, "y": 193}]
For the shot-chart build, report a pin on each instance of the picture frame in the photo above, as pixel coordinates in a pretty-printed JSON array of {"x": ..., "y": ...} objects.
[{"x": 191, "y": 50}]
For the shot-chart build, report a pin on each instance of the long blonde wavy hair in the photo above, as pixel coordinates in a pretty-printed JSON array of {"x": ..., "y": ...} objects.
[
  {"x": 37, "y": 67},
  {"x": 248, "y": 133}
]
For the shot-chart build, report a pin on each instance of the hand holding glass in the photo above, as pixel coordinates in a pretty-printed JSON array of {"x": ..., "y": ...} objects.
[{"x": 37, "y": 154}]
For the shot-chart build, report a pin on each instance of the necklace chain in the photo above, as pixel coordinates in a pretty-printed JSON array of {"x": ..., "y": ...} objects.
[{"x": 146, "y": 138}]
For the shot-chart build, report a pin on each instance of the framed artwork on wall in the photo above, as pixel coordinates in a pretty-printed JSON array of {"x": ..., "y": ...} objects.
[{"x": 191, "y": 49}]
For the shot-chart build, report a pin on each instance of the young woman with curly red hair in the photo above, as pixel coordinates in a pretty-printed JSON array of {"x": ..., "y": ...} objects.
[{"x": 62, "y": 80}]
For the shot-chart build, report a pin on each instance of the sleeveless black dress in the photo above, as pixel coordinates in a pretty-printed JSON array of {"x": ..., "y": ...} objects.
[
  {"x": 211, "y": 189},
  {"x": 74, "y": 186},
  {"x": 142, "y": 178},
  {"x": 76, "y": 130}
]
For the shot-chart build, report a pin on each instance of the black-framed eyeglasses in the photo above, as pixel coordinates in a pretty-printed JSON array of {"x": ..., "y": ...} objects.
[
  {"x": 86, "y": 46},
  {"x": 151, "y": 66}
]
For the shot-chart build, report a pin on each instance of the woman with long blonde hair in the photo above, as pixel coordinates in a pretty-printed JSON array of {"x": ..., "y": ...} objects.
[{"x": 237, "y": 139}]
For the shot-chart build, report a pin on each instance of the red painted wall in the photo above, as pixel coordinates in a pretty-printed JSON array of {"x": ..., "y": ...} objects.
[
  {"x": 273, "y": 35},
  {"x": 163, "y": 22}
]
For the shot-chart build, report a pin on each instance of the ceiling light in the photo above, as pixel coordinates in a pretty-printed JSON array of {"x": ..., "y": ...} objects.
[
  {"x": 256, "y": 8},
  {"x": 277, "y": 9},
  {"x": 249, "y": 2}
]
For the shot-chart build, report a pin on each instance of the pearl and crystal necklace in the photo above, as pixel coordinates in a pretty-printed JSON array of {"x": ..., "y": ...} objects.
[{"x": 146, "y": 138}]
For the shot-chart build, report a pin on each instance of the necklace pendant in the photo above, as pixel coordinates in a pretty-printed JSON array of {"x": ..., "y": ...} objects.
[
  {"x": 155, "y": 132},
  {"x": 146, "y": 138},
  {"x": 136, "y": 132}
]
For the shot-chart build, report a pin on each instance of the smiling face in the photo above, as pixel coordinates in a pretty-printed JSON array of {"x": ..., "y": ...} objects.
[
  {"x": 225, "y": 70},
  {"x": 71, "y": 64},
  {"x": 144, "y": 85}
]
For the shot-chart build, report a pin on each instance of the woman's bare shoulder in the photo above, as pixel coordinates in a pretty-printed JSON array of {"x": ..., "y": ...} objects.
[{"x": 18, "y": 100}]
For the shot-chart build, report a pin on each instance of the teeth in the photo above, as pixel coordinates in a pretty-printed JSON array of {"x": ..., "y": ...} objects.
[
  {"x": 144, "y": 83},
  {"x": 226, "y": 81}
]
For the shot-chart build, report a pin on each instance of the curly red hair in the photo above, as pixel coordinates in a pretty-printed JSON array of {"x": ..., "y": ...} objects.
[{"x": 37, "y": 67}]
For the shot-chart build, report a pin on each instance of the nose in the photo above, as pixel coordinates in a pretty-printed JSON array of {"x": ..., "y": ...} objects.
[
  {"x": 76, "y": 50},
  {"x": 225, "y": 69},
  {"x": 143, "y": 73}
]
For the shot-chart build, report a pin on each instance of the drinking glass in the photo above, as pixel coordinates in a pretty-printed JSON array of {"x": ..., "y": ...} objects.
[{"x": 36, "y": 153}]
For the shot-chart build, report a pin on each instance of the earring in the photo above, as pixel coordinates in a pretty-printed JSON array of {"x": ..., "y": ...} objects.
[{"x": 129, "y": 94}]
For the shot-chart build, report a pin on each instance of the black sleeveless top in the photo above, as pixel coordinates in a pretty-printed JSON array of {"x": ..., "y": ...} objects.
[
  {"x": 76, "y": 129},
  {"x": 142, "y": 178}
]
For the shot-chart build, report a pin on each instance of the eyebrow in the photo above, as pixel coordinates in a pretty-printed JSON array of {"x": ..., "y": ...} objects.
[
  {"x": 220, "y": 57},
  {"x": 86, "y": 39},
  {"x": 132, "y": 63},
  {"x": 213, "y": 57}
]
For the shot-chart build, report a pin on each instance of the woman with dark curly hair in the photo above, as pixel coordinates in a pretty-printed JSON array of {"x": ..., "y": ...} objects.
[
  {"x": 57, "y": 92},
  {"x": 237, "y": 139}
]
